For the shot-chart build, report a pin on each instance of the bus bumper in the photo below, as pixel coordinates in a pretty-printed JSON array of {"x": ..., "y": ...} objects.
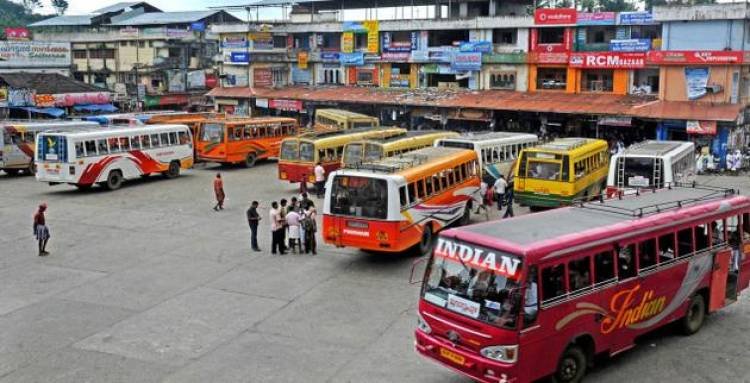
[
  {"x": 295, "y": 172},
  {"x": 381, "y": 236},
  {"x": 540, "y": 200},
  {"x": 221, "y": 160},
  {"x": 469, "y": 364}
]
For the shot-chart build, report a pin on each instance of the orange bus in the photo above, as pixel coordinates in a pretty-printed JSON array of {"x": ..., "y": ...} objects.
[
  {"x": 399, "y": 202},
  {"x": 192, "y": 120},
  {"x": 300, "y": 154},
  {"x": 243, "y": 141}
]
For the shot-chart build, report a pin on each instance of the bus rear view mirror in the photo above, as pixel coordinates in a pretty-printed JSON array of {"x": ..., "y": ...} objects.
[{"x": 414, "y": 265}]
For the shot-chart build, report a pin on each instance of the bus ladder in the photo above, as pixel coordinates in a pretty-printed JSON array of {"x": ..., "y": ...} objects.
[
  {"x": 620, "y": 172},
  {"x": 657, "y": 172}
]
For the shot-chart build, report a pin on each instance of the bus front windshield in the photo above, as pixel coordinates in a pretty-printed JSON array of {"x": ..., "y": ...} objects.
[
  {"x": 289, "y": 150},
  {"x": 474, "y": 281},
  {"x": 306, "y": 152},
  {"x": 213, "y": 133},
  {"x": 353, "y": 154},
  {"x": 360, "y": 197},
  {"x": 639, "y": 172}
]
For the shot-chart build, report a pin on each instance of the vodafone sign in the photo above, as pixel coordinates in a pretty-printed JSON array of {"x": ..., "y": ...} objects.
[
  {"x": 608, "y": 60},
  {"x": 555, "y": 16}
]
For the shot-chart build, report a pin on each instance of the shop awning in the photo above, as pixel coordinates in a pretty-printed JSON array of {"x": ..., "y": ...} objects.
[
  {"x": 109, "y": 108},
  {"x": 54, "y": 112}
]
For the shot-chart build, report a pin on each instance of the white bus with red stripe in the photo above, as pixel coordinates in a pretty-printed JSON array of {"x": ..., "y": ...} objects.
[{"x": 107, "y": 156}]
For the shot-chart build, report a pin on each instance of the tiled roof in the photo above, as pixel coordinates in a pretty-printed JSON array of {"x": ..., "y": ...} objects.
[
  {"x": 549, "y": 102},
  {"x": 161, "y": 18},
  {"x": 47, "y": 83}
]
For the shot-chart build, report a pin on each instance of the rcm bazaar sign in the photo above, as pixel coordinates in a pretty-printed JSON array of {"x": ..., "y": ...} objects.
[
  {"x": 608, "y": 60},
  {"x": 555, "y": 16},
  {"x": 24, "y": 54},
  {"x": 478, "y": 258},
  {"x": 695, "y": 57}
]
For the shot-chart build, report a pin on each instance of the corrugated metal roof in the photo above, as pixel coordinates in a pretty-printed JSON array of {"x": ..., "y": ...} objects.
[
  {"x": 64, "y": 20},
  {"x": 47, "y": 83},
  {"x": 116, "y": 7},
  {"x": 546, "y": 102},
  {"x": 161, "y": 18}
]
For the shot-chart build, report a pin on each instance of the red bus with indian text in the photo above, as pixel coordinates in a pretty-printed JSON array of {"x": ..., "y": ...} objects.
[{"x": 542, "y": 294}]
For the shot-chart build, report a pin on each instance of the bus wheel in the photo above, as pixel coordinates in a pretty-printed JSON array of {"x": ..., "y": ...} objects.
[
  {"x": 114, "y": 180},
  {"x": 695, "y": 316},
  {"x": 466, "y": 218},
  {"x": 250, "y": 160},
  {"x": 425, "y": 245},
  {"x": 12, "y": 172},
  {"x": 174, "y": 170},
  {"x": 572, "y": 366},
  {"x": 31, "y": 170}
]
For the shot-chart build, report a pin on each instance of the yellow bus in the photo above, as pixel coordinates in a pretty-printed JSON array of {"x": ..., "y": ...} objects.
[
  {"x": 339, "y": 119},
  {"x": 556, "y": 173},
  {"x": 375, "y": 149},
  {"x": 300, "y": 154}
]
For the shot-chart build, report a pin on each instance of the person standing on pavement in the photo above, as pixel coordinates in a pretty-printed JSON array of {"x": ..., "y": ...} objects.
[
  {"x": 283, "y": 210},
  {"x": 320, "y": 179},
  {"x": 303, "y": 185},
  {"x": 219, "y": 192},
  {"x": 509, "y": 200},
  {"x": 276, "y": 229},
  {"x": 499, "y": 189},
  {"x": 41, "y": 231},
  {"x": 293, "y": 225},
  {"x": 253, "y": 219},
  {"x": 310, "y": 227}
]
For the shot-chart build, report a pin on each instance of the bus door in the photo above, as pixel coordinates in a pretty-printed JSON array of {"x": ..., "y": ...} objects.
[
  {"x": 18, "y": 147},
  {"x": 719, "y": 277}
]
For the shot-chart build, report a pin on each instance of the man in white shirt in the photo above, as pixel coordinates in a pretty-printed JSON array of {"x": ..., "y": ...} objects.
[
  {"x": 499, "y": 188},
  {"x": 320, "y": 179},
  {"x": 276, "y": 229}
]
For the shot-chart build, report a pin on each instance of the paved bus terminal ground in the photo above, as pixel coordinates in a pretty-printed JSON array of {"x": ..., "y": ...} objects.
[{"x": 149, "y": 284}]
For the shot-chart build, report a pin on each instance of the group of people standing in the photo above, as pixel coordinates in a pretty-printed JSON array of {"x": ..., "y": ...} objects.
[
  {"x": 501, "y": 192},
  {"x": 293, "y": 226}
]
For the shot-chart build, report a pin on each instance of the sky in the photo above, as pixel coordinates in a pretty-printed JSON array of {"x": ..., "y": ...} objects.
[{"x": 80, "y": 7}]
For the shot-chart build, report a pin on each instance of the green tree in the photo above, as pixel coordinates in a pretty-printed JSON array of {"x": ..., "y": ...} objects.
[
  {"x": 589, "y": 5},
  {"x": 60, "y": 6},
  {"x": 31, "y": 5},
  {"x": 616, "y": 5},
  {"x": 15, "y": 15}
]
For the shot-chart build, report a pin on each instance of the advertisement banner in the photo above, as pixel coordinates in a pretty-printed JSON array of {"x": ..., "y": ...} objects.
[
  {"x": 262, "y": 40},
  {"x": 198, "y": 27},
  {"x": 354, "y": 27},
  {"x": 608, "y": 60},
  {"x": 701, "y": 127},
  {"x": 239, "y": 57},
  {"x": 695, "y": 57},
  {"x": 262, "y": 77},
  {"x": 630, "y": 45},
  {"x": 414, "y": 41},
  {"x": 475, "y": 46},
  {"x": 301, "y": 75},
  {"x": 347, "y": 42},
  {"x": 44, "y": 100},
  {"x": 72, "y": 99},
  {"x": 397, "y": 46},
  {"x": 504, "y": 58},
  {"x": 178, "y": 33},
  {"x": 635, "y": 18},
  {"x": 302, "y": 58},
  {"x": 129, "y": 32},
  {"x": 25, "y": 54},
  {"x": 555, "y": 16},
  {"x": 395, "y": 56},
  {"x": 696, "y": 80},
  {"x": 596, "y": 18},
  {"x": 290, "y": 105},
  {"x": 548, "y": 58},
  {"x": 20, "y": 97},
  {"x": 196, "y": 79},
  {"x": 176, "y": 79},
  {"x": 419, "y": 56},
  {"x": 467, "y": 61},
  {"x": 17, "y": 34},
  {"x": 234, "y": 42},
  {"x": 329, "y": 56},
  {"x": 352, "y": 59},
  {"x": 373, "y": 32},
  {"x": 261, "y": 103}
]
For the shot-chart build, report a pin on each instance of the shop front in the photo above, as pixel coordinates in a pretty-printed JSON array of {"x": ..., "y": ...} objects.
[
  {"x": 550, "y": 72},
  {"x": 604, "y": 72},
  {"x": 505, "y": 71}
]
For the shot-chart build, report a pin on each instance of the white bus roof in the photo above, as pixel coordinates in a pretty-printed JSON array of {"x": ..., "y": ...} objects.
[
  {"x": 116, "y": 130},
  {"x": 404, "y": 161},
  {"x": 652, "y": 148},
  {"x": 491, "y": 136},
  {"x": 47, "y": 124}
]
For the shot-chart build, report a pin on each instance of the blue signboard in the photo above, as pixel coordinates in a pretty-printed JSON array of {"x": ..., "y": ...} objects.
[
  {"x": 475, "y": 46},
  {"x": 329, "y": 56},
  {"x": 198, "y": 27},
  {"x": 635, "y": 18},
  {"x": 466, "y": 61},
  {"x": 352, "y": 59},
  {"x": 354, "y": 26},
  {"x": 239, "y": 57},
  {"x": 630, "y": 45}
]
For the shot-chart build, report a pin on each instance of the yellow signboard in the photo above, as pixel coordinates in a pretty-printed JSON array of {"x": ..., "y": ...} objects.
[
  {"x": 302, "y": 60},
  {"x": 347, "y": 42},
  {"x": 373, "y": 35}
]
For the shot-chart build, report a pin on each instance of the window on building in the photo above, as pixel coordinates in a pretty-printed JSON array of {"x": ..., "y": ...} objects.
[
  {"x": 551, "y": 35},
  {"x": 79, "y": 54},
  {"x": 141, "y": 44},
  {"x": 329, "y": 41},
  {"x": 447, "y": 37},
  {"x": 596, "y": 80},
  {"x": 364, "y": 76},
  {"x": 507, "y": 36},
  {"x": 279, "y": 42},
  {"x": 360, "y": 41},
  {"x": 279, "y": 76},
  {"x": 645, "y": 81},
  {"x": 645, "y": 32},
  {"x": 552, "y": 78},
  {"x": 599, "y": 35},
  {"x": 133, "y": 43},
  {"x": 503, "y": 80},
  {"x": 331, "y": 76},
  {"x": 400, "y": 75},
  {"x": 123, "y": 43}
]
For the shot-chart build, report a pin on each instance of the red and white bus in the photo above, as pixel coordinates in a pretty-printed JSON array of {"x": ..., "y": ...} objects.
[
  {"x": 543, "y": 294},
  {"x": 108, "y": 156},
  {"x": 395, "y": 203}
]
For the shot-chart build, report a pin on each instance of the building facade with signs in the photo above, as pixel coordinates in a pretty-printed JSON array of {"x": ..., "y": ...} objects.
[{"x": 132, "y": 46}]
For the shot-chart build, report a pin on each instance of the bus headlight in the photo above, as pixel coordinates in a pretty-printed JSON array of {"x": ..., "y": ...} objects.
[
  {"x": 422, "y": 325},
  {"x": 507, "y": 354}
]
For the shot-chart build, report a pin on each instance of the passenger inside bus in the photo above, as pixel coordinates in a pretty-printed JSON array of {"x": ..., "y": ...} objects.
[
  {"x": 530, "y": 305},
  {"x": 626, "y": 262}
]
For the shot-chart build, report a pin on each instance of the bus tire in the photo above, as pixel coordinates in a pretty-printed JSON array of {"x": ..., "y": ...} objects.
[
  {"x": 695, "y": 315},
  {"x": 114, "y": 180},
  {"x": 250, "y": 160},
  {"x": 12, "y": 172},
  {"x": 427, "y": 241},
  {"x": 174, "y": 170},
  {"x": 572, "y": 366},
  {"x": 466, "y": 218},
  {"x": 31, "y": 170}
]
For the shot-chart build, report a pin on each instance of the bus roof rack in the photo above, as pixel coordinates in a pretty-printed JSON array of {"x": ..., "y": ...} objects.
[
  {"x": 564, "y": 144},
  {"x": 714, "y": 192},
  {"x": 392, "y": 164}
]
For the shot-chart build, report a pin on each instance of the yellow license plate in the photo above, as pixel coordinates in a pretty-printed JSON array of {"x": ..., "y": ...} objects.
[
  {"x": 452, "y": 356},
  {"x": 283, "y": 175}
]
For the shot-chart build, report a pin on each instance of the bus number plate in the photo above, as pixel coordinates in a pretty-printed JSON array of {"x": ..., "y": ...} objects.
[
  {"x": 452, "y": 356},
  {"x": 357, "y": 224}
]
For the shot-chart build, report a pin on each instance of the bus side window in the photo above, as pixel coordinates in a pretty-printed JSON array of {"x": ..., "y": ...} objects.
[
  {"x": 626, "y": 262},
  {"x": 604, "y": 267},
  {"x": 173, "y": 138},
  {"x": 135, "y": 142},
  {"x": 155, "y": 141},
  {"x": 90, "y": 148},
  {"x": 701, "y": 237},
  {"x": 164, "y": 139},
  {"x": 420, "y": 189},
  {"x": 745, "y": 227},
  {"x": 579, "y": 274},
  {"x": 402, "y": 196},
  {"x": 15, "y": 138},
  {"x": 685, "y": 242},
  {"x": 28, "y": 137},
  {"x": 184, "y": 140},
  {"x": 146, "y": 142},
  {"x": 125, "y": 143},
  {"x": 553, "y": 283},
  {"x": 102, "y": 145},
  {"x": 412, "y": 189},
  {"x": 322, "y": 155},
  {"x": 718, "y": 235},
  {"x": 79, "y": 150},
  {"x": 666, "y": 248},
  {"x": 530, "y": 300},
  {"x": 647, "y": 254},
  {"x": 733, "y": 230},
  {"x": 428, "y": 185}
]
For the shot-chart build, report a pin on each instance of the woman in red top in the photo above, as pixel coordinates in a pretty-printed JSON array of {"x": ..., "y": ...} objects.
[
  {"x": 41, "y": 231},
  {"x": 219, "y": 191}
]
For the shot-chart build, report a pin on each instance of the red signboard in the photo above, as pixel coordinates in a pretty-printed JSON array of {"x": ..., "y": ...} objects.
[
  {"x": 555, "y": 16},
  {"x": 548, "y": 58},
  {"x": 608, "y": 60},
  {"x": 17, "y": 33},
  {"x": 262, "y": 77},
  {"x": 701, "y": 127},
  {"x": 293, "y": 105},
  {"x": 173, "y": 99},
  {"x": 211, "y": 81},
  {"x": 695, "y": 57}
]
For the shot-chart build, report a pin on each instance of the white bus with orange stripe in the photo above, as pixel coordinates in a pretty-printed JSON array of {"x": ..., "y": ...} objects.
[
  {"x": 399, "y": 202},
  {"x": 108, "y": 156}
]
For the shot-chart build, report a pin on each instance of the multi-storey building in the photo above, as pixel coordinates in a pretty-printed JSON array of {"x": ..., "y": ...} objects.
[{"x": 125, "y": 45}]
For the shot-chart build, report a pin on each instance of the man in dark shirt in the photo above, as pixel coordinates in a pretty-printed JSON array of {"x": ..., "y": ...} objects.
[{"x": 252, "y": 219}]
